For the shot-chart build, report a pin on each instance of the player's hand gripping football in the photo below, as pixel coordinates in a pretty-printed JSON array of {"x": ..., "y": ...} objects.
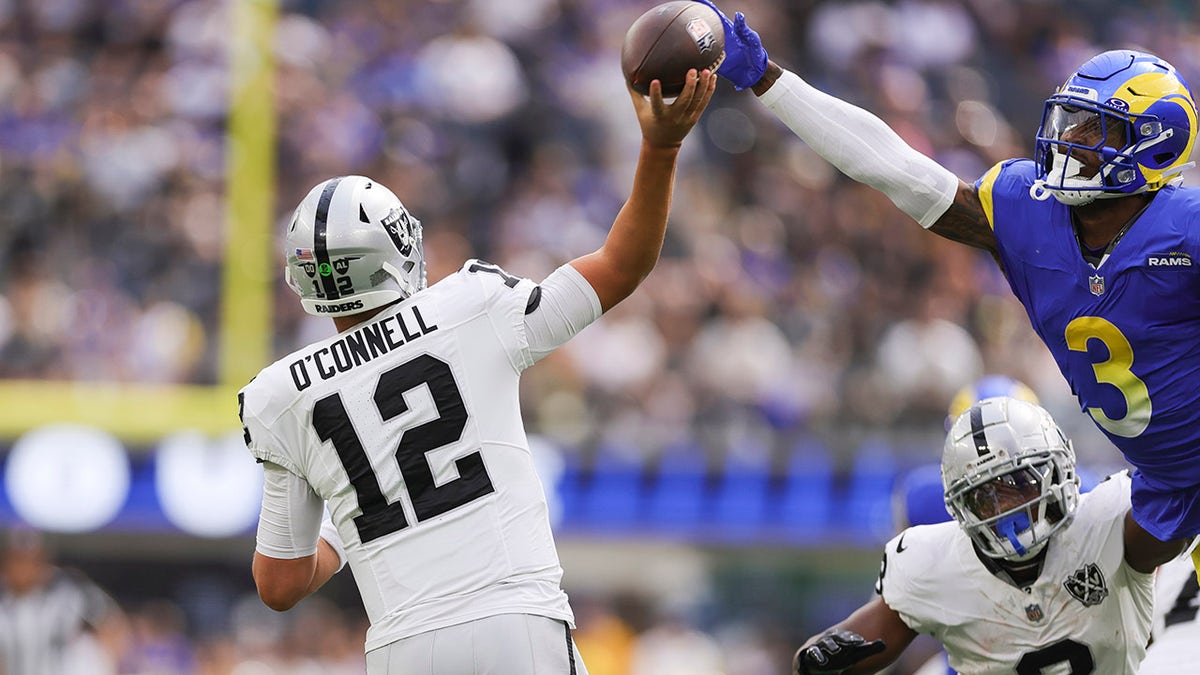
[
  {"x": 833, "y": 652},
  {"x": 745, "y": 58},
  {"x": 665, "y": 125}
]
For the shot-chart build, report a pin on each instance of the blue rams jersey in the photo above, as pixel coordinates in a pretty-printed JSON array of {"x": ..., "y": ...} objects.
[{"x": 1126, "y": 335}]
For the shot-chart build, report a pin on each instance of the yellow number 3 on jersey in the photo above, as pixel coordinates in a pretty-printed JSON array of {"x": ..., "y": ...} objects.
[{"x": 1115, "y": 371}]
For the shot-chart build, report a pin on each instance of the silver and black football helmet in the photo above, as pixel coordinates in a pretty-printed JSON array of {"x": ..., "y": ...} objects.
[
  {"x": 1009, "y": 476},
  {"x": 352, "y": 246}
]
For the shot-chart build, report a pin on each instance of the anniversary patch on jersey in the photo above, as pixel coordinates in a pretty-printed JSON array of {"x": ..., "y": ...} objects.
[{"x": 1086, "y": 585}]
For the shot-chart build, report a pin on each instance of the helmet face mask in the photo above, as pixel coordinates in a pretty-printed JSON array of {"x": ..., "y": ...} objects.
[
  {"x": 1123, "y": 124},
  {"x": 352, "y": 246},
  {"x": 1006, "y": 493},
  {"x": 1009, "y": 477}
]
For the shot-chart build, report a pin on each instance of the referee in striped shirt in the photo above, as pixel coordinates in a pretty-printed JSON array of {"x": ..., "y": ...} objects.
[{"x": 46, "y": 612}]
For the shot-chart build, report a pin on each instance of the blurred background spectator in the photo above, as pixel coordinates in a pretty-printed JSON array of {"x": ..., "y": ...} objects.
[
  {"x": 777, "y": 331},
  {"x": 54, "y": 620}
]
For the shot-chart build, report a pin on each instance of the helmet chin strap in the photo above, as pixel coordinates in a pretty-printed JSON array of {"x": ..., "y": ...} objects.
[
  {"x": 1012, "y": 526},
  {"x": 1066, "y": 168}
]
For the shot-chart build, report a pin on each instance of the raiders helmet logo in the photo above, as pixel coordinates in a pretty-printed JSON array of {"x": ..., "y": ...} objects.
[{"x": 399, "y": 228}]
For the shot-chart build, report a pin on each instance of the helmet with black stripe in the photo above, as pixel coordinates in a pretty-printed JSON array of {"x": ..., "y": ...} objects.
[
  {"x": 988, "y": 386},
  {"x": 1009, "y": 477},
  {"x": 351, "y": 246}
]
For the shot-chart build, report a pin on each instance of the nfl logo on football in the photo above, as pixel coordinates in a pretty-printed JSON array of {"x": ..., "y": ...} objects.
[
  {"x": 1096, "y": 284},
  {"x": 702, "y": 34}
]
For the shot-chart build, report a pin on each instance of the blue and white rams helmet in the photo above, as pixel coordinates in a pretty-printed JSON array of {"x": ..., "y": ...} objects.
[
  {"x": 1123, "y": 124},
  {"x": 352, "y": 246},
  {"x": 988, "y": 386},
  {"x": 1009, "y": 477}
]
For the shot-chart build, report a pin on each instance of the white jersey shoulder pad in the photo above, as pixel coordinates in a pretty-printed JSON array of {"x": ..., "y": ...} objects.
[
  {"x": 913, "y": 569},
  {"x": 261, "y": 403}
]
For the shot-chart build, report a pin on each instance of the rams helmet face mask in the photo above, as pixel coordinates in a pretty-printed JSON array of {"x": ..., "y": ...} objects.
[
  {"x": 1009, "y": 477},
  {"x": 1123, "y": 124},
  {"x": 352, "y": 246}
]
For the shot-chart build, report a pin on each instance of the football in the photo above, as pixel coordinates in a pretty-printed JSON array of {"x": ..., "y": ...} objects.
[{"x": 665, "y": 42}]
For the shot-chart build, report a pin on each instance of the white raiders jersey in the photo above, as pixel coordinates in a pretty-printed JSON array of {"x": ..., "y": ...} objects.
[
  {"x": 1088, "y": 611},
  {"x": 1176, "y": 645},
  {"x": 409, "y": 426}
]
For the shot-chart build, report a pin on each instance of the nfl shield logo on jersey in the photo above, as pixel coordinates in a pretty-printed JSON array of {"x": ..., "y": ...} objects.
[
  {"x": 1096, "y": 284},
  {"x": 1034, "y": 613},
  {"x": 1087, "y": 585}
]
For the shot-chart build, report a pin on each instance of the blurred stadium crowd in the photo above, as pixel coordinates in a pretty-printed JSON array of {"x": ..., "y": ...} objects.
[{"x": 790, "y": 300}]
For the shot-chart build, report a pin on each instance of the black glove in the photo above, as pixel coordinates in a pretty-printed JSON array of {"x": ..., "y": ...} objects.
[{"x": 835, "y": 651}]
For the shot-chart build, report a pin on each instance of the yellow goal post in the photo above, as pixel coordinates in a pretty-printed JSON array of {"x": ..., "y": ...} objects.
[{"x": 142, "y": 412}]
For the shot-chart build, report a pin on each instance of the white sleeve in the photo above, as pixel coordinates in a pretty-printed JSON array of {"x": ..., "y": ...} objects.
[
  {"x": 567, "y": 305},
  {"x": 863, "y": 147},
  {"x": 290, "y": 521}
]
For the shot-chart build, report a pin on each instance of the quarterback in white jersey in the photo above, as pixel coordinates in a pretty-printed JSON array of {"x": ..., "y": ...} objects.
[
  {"x": 1175, "y": 647},
  {"x": 1031, "y": 578},
  {"x": 406, "y": 424}
]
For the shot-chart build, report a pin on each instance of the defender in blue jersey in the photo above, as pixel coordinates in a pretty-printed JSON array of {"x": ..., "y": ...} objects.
[{"x": 1095, "y": 237}]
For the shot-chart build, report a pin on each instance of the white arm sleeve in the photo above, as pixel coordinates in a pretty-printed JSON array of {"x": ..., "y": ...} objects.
[
  {"x": 568, "y": 304},
  {"x": 290, "y": 521},
  {"x": 863, "y": 147},
  {"x": 330, "y": 534}
]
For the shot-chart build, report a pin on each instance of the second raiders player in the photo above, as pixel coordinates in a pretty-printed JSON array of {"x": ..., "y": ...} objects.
[{"x": 1030, "y": 577}]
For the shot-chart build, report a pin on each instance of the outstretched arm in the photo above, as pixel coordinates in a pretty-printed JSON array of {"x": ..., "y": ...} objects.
[
  {"x": 636, "y": 238},
  {"x": 858, "y": 143},
  {"x": 864, "y": 148}
]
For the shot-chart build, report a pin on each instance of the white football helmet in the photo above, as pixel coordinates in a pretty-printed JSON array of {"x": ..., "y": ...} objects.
[
  {"x": 1009, "y": 476},
  {"x": 352, "y": 246}
]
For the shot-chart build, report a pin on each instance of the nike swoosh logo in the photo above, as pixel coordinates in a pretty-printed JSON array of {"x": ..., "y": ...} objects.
[{"x": 900, "y": 548}]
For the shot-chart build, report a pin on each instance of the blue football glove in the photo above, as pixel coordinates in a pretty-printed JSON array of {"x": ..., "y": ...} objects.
[{"x": 745, "y": 58}]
